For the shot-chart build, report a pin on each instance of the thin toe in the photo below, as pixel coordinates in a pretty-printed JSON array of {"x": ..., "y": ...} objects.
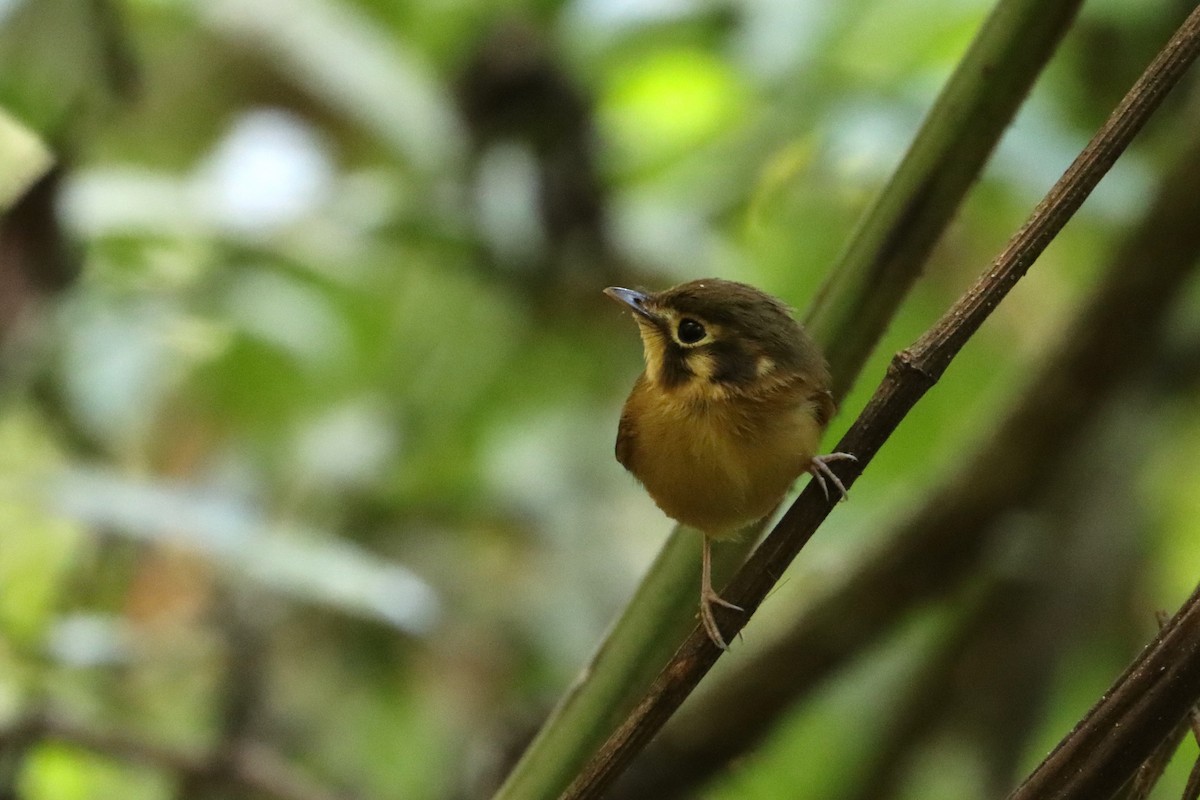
[{"x": 710, "y": 626}]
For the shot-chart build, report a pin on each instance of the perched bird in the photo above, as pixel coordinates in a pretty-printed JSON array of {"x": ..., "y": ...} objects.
[{"x": 728, "y": 412}]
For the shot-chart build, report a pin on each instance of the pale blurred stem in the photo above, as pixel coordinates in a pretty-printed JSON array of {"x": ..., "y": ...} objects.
[
  {"x": 931, "y": 551},
  {"x": 867, "y": 285},
  {"x": 923, "y": 704},
  {"x": 911, "y": 374},
  {"x": 240, "y": 698}
]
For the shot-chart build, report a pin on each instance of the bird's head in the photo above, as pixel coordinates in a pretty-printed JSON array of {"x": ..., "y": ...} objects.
[{"x": 720, "y": 337}]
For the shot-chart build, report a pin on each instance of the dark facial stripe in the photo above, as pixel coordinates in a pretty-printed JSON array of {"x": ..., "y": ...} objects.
[
  {"x": 732, "y": 364},
  {"x": 675, "y": 371}
]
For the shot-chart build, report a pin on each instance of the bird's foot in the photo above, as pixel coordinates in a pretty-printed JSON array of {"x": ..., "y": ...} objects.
[
  {"x": 819, "y": 469},
  {"x": 707, "y": 600}
]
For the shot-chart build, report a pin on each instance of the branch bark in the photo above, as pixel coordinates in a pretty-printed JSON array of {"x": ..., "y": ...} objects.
[
  {"x": 912, "y": 373},
  {"x": 1150, "y": 772},
  {"x": 1153, "y": 696}
]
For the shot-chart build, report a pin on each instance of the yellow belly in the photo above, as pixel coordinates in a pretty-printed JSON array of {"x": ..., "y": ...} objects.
[{"x": 717, "y": 469}]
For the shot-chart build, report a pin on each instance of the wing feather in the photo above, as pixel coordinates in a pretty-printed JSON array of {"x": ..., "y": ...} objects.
[
  {"x": 824, "y": 406},
  {"x": 627, "y": 432},
  {"x": 626, "y": 437}
]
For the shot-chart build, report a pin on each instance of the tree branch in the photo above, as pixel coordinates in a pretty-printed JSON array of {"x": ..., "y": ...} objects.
[
  {"x": 1150, "y": 772},
  {"x": 911, "y": 374},
  {"x": 1153, "y": 696}
]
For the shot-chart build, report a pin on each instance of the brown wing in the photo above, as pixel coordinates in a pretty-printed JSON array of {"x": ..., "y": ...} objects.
[
  {"x": 824, "y": 405},
  {"x": 627, "y": 429},
  {"x": 626, "y": 437}
]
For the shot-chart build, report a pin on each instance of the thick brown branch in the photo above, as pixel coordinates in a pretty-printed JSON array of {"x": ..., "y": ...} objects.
[
  {"x": 1154, "y": 695},
  {"x": 1191, "y": 791},
  {"x": 891, "y": 402},
  {"x": 1151, "y": 770}
]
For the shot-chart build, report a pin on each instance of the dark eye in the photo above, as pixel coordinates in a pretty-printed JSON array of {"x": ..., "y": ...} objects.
[{"x": 690, "y": 331}]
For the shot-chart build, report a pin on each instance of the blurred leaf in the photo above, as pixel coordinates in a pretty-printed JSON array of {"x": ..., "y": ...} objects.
[
  {"x": 348, "y": 63},
  {"x": 37, "y": 551},
  {"x": 23, "y": 159},
  {"x": 61, "y": 772},
  {"x": 306, "y": 565},
  {"x": 668, "y": 103}
]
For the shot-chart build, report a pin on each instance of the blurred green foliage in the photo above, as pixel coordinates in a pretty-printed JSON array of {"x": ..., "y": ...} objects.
[{"x": 325, "y": 422}]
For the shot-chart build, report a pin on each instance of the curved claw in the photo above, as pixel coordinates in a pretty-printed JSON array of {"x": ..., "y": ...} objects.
[
  {"x": 707, "y": 599},
  {"x": 819, "y": 469}
]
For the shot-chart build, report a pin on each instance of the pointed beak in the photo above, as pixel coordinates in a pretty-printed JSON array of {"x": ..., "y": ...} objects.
[{"x": 635, "y": 300}]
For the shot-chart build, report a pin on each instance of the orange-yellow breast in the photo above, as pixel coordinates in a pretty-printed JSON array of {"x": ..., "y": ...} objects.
[{"x": 717, "y": 465}]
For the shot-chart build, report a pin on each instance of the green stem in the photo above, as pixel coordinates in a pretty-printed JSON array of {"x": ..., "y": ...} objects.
[{"x": 893, "y": 240}]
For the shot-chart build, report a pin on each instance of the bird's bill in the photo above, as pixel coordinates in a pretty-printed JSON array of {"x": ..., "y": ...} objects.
[{"x": 635, "y": 300}]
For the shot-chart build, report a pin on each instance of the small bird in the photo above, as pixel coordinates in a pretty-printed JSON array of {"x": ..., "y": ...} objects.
[{"x": 727, "y": 414}]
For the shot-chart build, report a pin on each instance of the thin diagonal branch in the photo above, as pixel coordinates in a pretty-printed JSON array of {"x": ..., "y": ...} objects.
[{"x": 912, "y": 373}]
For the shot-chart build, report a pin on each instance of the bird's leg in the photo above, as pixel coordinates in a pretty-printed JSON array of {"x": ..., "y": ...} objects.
[
  {"x": 708, "y": 597},
  {"x": 819, "y": 468}
]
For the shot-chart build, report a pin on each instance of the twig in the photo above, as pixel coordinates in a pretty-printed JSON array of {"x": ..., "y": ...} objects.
[
  {"x": 912, "y": 373},
  {"x": 1191, "y": 790},
  {"x": 1150, "y": 772}
]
